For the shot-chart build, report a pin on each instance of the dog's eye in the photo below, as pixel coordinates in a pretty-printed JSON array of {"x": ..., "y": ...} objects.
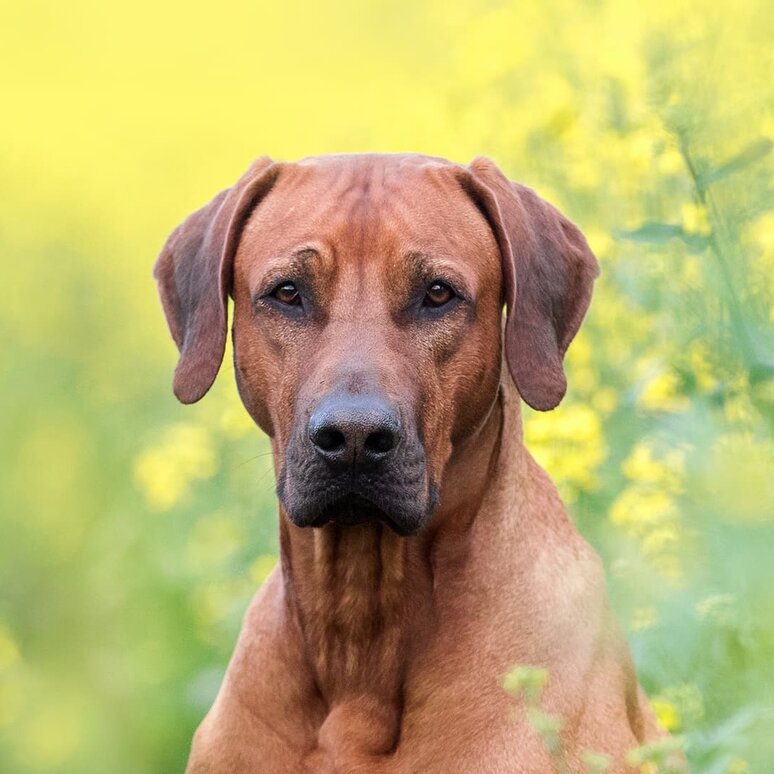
[
  {"x": 438, "y": 294},
  {"x": 287, "y": 293}
]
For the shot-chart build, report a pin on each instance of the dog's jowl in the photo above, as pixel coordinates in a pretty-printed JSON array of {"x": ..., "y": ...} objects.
[{"x": 391, "y": 313}]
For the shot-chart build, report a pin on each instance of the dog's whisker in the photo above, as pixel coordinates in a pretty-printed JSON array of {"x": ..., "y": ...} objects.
[{"x": 252, "y": 459}]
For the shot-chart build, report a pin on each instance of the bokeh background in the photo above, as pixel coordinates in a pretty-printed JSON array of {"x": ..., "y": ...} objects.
[{"x": 135, "y": 530}]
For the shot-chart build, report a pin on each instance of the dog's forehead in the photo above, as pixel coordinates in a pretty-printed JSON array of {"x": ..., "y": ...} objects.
[{"x": 403, "y": 202}]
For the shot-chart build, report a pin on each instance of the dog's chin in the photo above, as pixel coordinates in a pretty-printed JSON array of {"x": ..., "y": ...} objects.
[{"x": 353, "y": 509}]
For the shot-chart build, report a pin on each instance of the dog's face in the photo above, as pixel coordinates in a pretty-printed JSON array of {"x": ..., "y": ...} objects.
[
  {"x": 368, "y": 296},
  {"x": 366, "y": 334}
]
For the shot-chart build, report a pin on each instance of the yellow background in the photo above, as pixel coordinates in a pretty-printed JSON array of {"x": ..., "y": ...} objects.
[{"x": 134, "y": 530}]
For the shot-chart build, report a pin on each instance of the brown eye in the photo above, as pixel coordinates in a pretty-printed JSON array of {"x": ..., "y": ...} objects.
[
  {"x": 287, "y": 293},
  {"x": 438, "y": 294}
]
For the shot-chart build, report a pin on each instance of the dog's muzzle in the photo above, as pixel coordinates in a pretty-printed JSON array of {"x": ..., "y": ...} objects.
[{"x": 353, "y": 462}]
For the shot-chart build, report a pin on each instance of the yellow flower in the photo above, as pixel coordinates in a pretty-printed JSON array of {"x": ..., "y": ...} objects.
[
  {"x": 662, "y": 393},
  {"x": 679, "y": 706},
  {"x": 584, "y": 172},
  {"x": 702, "y": 366},
  {"x": 639, "y": 147},
  {"x": 761, "y": 231},
  {"x": 670, "y": 162},
  {"x": 696, "y": 219},
  {"x": 639, "y": 510},
  {"x": 599, "y": 241},
  {"x": 569, "y": 443},
  {"x": 642, "y": 467},
  {"x": 666, "y": 713},
  {"x": 760, "y": 235},
  {"x": 165, "y": 472}
]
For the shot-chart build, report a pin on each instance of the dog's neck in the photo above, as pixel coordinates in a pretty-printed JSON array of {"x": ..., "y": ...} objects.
[{"x": 364, "y": 599}]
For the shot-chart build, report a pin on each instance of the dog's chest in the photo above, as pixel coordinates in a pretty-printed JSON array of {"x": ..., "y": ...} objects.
[
  {"x": 361, "y": 622},
  {"x": 360, "y": 610}
]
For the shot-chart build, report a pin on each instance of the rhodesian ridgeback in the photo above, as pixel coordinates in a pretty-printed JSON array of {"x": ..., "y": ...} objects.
[{"x": 391, "y": 312}]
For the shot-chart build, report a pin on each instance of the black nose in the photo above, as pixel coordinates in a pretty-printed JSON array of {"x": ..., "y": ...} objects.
[{"x": 354, "y": 430}]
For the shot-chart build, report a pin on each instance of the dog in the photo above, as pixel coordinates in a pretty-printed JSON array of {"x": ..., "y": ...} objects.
[{"x": 391, "y": 312}]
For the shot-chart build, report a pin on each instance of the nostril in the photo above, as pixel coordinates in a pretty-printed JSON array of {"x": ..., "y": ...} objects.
[
  {"x": 354, "y": 430},
  {"x": 381, "y": 441},
  {"x": 328, "y": 439}
]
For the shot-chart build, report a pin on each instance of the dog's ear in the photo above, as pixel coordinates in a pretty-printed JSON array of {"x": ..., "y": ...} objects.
[
  {"x": 194, "y": 275},
  {"x": 548, "y": 274}
]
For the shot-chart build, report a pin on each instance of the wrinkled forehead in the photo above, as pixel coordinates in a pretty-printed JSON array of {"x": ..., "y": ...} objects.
[{"x": 369, "y": 210}]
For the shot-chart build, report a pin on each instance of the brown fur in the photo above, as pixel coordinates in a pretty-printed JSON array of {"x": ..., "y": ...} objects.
[{"x": 366, "y": 651}]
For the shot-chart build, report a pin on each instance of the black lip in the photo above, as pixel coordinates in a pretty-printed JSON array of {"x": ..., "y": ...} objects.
[{"x": 353, "y": 509}]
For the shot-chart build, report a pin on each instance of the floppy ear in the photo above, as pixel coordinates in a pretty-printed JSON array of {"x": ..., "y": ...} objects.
[
  {"x": 194, "y": 275},
  {"x": 548, "y": 273}
]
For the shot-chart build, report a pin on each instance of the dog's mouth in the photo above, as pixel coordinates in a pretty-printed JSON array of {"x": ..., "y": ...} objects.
[
  {"x": 399, "y": 496},
  {"x": 352, "y": 509}
]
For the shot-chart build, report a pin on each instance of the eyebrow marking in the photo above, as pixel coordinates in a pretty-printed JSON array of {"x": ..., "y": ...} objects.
[
  {"x": 420, "y": 265},
  {"x": 417, "y": 258},
  {"x": 297, "y": 262},
  {"x": 425, "y": 268},
  {"x": 301, "y": 258},
  {"x": 293, "y": 266}
]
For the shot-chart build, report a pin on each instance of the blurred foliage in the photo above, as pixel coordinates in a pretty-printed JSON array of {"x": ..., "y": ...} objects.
[{"x": 134, "y": 530}]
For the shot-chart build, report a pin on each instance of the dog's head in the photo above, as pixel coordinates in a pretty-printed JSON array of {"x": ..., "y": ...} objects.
[{"x": 368, "y": 295}]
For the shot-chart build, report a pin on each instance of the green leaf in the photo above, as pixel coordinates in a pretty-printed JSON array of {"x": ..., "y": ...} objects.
[
  {"x": 594, "y": 762},
  {"x": 526, "y": 681},
  {"x": 695, "y": 242},
  {"x": 658, "y": 233},
  {"x": 653, "y": 232},
  {"x": 752, "y": 153}
]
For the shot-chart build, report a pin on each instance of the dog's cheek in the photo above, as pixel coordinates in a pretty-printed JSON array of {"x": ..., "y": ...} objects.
[
  {"x": 251, "y": 383},
  {"x": 472, "y": 379},
  {"x": 433, "y": 415},
  {"x": 257, "y": 373},
  {"x": 436, "y": 463},
  {"x": 264, "y": 368}
]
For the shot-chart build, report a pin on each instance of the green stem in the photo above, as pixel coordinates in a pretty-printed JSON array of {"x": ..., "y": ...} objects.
[{"x": 734, "y": 304}]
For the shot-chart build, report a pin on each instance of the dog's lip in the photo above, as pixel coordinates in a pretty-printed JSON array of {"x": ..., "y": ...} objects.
[{"x": 352, "y": 509}]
